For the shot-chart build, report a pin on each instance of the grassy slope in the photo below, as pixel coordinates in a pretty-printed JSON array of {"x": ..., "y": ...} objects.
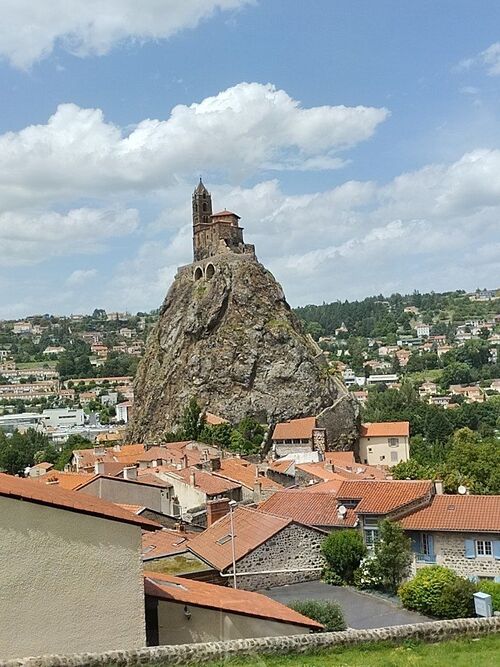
[{"x": 484, "y": 652}]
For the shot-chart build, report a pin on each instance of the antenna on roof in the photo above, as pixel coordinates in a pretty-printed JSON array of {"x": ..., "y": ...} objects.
[{"x": 462, "y": 490}]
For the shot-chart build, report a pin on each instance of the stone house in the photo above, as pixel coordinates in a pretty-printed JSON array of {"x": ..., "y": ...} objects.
[
  {"x": 186, "y": 611},
  {"x": 269, "y": 550},
  {"x": 70, "y": 572},
  {"x": 459, "y": 532},
  {"x": 384, "y": 443}
]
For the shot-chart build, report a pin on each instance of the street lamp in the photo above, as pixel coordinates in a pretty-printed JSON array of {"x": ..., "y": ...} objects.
[{"x": 232, "y": 505}]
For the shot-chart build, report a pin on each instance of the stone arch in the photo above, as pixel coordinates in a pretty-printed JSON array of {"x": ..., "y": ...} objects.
[
  {"x": 198, "y": 273},
  {"x": 209, "y": 271}
]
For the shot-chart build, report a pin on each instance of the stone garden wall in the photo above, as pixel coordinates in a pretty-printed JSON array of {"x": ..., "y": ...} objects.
[{"x": 195, "y": 654}]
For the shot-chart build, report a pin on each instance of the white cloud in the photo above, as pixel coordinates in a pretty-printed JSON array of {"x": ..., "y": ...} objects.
[
  {"x": 33, "y": 237},
  {"x": 81, "y": 277},
  {"x": 30, "y": 29},
  {"x": 238, "y": 131},
  {"x": 489, "y": 59}
]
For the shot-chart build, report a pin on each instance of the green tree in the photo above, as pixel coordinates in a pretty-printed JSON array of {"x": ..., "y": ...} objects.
[
  {"x": 193, "y": 421},
  {"x": 456, "y": 373},
  {"x": 393, "y": 555},
  {"x": 343, "y": 551}
]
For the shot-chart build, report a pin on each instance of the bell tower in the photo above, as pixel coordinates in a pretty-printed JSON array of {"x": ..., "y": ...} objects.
[{"x": 202, "y": 205}]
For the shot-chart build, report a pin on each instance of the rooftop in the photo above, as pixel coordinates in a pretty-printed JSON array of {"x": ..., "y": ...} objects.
[
  {"x": 457, "y": 513},
  {"x": 384, "y": 496},
  {"x": 251, "y": 529},
  {"x": 50, "y": 495},
  {"x": 245, "y": 473},
  {"x": 318, "y": 509},
  {"x": 295, "y": 429},
  {"x": 222, "y": 598},
  {"x": 64, "y": 480},
  {"x": 164, "y": 543},
  {"x": 385, "y": 429},
  {"x": 207, "y": 482},
  {"x": 224, "y": 213}
]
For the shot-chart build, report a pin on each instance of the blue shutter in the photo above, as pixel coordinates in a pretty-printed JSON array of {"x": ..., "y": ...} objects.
[
  {"x": 430, "y": 542},
  {"x": 496, "y": 549},
  {"x": 415, "y": 543},
  {"x": 470, "y": 551}
]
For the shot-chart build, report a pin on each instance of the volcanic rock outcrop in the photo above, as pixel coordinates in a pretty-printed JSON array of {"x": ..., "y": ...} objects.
[{"x": 227, "y": 336}]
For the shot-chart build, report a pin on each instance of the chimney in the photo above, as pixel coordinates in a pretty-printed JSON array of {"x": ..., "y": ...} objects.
[
  {"x": 184, "y": 461},
  {"x": 257, "y": 491},
  {"x": 99, "y": 467},
  {"x": 192, "y": 478},
  {"x": 329, "y": 466},
  {"x": 180, "y": 527},
  {"x": 216, "y": 509},
  {"x": 52, "y": 481},
  {"x": 99, "y": 450},
  {"x": 319, "y": 439},
  {"x": 130, "y": 472},
  {"x": 215, "y": 464},
  {"x": 438, "y": 487}
]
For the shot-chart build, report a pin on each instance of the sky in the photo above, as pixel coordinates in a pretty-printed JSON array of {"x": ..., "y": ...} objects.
[{"x": 359, "y": 141}]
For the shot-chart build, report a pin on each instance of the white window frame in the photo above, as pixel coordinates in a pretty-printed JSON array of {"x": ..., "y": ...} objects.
[
  {"x": 393, "y": 442},
  {"x": 484, "y": 548}
]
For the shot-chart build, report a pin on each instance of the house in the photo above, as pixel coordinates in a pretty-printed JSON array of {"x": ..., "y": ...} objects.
[
  {"x": 422, "y": 330},
  {"x": 298, "y": 435},
  {"x": 123, "y": 411},
  {"x": 427, "y": 389},
  {"x": 40, "y": 469},
  {"x": 471, "y": 393},
  {"x": 54, "y": 349},
  {"x": 461, "y": 532},
  {"x": 361, "y": 396},
  {"x": 403, "y": 356},
  {"x": 185, "y": 611},
  {"x": 63, "y": 480},
  {"x": 443, "y": 349},
  {"x": 84, "y": 460},
  {"x": 374, "y": 500},
  {"x": 255, "y": 486},
  {"x": 384, "y": 443},
  {"x": 268, "y": 550},
  {"x": 71, "y": 572}
]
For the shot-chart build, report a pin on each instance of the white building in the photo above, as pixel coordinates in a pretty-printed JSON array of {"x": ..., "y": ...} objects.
[
  {"x": 423, "y": 330},
  {"x": 63, "y": 417},
  {"x": 123, "y": 411},
  {"x": 384, "y": 443}
]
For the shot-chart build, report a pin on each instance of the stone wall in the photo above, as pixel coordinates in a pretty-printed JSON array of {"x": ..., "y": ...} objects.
[
  {"x": 196, "y": 654},
  {"x": 296, "y": 549}
]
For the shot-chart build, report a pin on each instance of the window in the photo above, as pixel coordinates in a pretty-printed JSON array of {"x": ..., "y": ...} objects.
[
  {"x": 393, "y": 442},
  {"x": 370, "y": 528},
  {"x": 484, "y": 548},
  {"x": 224, "y": 540},
  {"x": 382, "y": 458},
  {"x": 394, "y": 457},
  {"x": 426, "y": 544}
]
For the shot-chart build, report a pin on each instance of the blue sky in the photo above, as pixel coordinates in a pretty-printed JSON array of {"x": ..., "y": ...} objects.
[{"x": 358, "y": 139}]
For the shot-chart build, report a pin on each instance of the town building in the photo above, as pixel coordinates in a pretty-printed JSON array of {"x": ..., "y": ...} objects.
[
  {"x": 71, "y": 572},
  {"x": 384, "y": 443},
  {"x": 298, "y": 435}
]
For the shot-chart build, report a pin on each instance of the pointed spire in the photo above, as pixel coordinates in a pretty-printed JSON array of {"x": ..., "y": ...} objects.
[{"x": 200, "y": 187}]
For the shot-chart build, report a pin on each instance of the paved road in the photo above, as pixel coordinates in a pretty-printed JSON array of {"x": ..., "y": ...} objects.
[{"x": 361, "y": 611}]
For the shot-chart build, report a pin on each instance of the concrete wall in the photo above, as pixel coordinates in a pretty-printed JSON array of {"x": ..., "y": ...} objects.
[
  {"x": 449, "y": 549},
  {"x": 69, "y": 582},
  {"x": 209, "y": 625},
  {"x": 132, "y": 493},
  {"x": 296, "y": 549},
  {"x": 380, "y": 453},
  {"x": 189, "y": 497},
  {"x": 219, "y": 652}
]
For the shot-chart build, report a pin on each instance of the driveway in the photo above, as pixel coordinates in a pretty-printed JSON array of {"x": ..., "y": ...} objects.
[{"x": 361, "y": 611}]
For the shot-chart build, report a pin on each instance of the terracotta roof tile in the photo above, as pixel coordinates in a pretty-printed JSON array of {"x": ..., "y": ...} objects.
[
  {"x": 224, "y": 213},
  {"x": 283, "y": 466},
  {"x": 318, "y": 509},
  {"x": 222, "y": 598},
  {"x": 251, "y": 529},
  {"x": 164, "y": 543},
  {"x": 206, "y": 481},
  {"x": 457, "y": 513},
  {"x": 295, "y": 429},
  {"x": 43, "y": 494},
  {"x": 65, "y": 480},
  {"x": 213, "y": 420},
  {"x": 342, "y": 459},
  {"x": 383, "y": 496},
  {"x": 245, "y": 473},
  {"x": 319, "y": 471},
  {"x": 385, "y": 429}
]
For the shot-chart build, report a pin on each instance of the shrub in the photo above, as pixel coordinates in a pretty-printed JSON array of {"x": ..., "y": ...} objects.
[
  {"x": 331, "y": 577},
  {"x": 438, "y": 591},
  {"x": 327, "y": 613},
  {"x": 343, "y": 551},
  {"x": 493, "y": 589},
  {"x": 368, "y": 574},
  {"x": 393, "y": 555}
]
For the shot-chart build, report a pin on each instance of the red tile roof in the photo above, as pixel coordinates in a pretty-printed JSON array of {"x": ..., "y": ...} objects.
[
  {"x": 479, "y": 514},
  {"x": 64, "y": 480},
  {"x": 251, "y": 529},
  {"x": 224, "y": 213},
  {"x": 384, "y": 496},
  {"x": 213, "y": 420},
  {"x": 205, "y": 481},
  {"x": 245, "y": 473},
  {"x": 319, "y": 471},
  {"x": 283, "y": 466},
  {"x": 385, "y": 429},
  {"x": 122, "y": 453},
  {"x": 50, "y": 495},
  {"x": 343, "y": 459},
  {"x": 164, "y": 543},
  {"x": 332, "y": 486},
  {"x": 298, "y": 429},
  {"x": 222, "y": 598},
  {"x": 318, "y": 509}
]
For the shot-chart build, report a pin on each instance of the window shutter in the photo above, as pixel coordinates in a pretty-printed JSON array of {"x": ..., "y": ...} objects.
[
  {"x": 497, "y": 580},
  {"x": 415, "y": 543},
  {"x": 470, "y": 551},
  {"x": 430, "y": 542},
  {"x": 496, "y": 549}
]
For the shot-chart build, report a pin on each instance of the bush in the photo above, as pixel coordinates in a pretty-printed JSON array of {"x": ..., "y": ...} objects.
[
  {"x": 343, "y": 551},
  {"x": 327, "y": 613},
  {"x": 493, "y": 589},
  {"x": 368, "y": 576},
  {"x": 393, "y": 555},
  {"x": 439, "y": 592},
  {"x": 330, "y": 577}
]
